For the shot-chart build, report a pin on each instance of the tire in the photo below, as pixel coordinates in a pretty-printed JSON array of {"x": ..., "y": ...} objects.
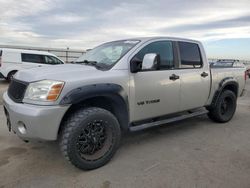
[
  {"x": 90, "y": 138},
  {"x": 224, "y": 108},
  {"x": 10, "y": 76}
]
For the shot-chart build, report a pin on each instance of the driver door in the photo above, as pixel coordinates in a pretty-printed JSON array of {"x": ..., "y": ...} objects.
[{"x": 154, "y": 93}]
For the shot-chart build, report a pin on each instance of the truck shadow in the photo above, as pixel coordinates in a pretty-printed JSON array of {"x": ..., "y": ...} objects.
[
  {"x": 130, "y": 141},
  {"x": 144, "y": 136},
  {"x": 3, "y": 82}
]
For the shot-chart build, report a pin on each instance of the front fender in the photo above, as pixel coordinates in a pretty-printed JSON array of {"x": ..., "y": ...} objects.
[
  {"x": 82, "y": 93},
  {"x": 115, "y": 93}
]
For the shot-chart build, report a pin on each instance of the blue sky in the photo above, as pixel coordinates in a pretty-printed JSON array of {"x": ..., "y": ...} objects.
[{"x": 222, "y": 25}]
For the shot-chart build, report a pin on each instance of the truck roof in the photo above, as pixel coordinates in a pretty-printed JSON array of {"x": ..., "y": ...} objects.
[{"x": 144, "y": 39}]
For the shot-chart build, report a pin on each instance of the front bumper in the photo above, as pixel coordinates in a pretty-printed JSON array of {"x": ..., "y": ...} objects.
[{"x": 41, "y": 122}]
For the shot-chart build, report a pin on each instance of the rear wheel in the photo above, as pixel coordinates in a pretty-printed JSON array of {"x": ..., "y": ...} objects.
[
  {"x": 224, "y": 108},
  {"x": 90, "y": 138}
]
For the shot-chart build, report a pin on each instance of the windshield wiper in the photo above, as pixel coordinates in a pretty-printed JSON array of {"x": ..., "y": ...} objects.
[
  {"x": 92, "y": 63},
  {"x": 86, "y": 62}
]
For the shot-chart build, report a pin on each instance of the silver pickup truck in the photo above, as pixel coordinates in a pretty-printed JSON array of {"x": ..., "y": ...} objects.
[{"x": 120, "y": 86}]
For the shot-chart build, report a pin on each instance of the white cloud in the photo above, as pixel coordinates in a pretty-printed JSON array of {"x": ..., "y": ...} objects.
[
  {"x": 61, "y": 19},
  {"x": 81, "y": 24},
  {"x": 14, "y": 8}
]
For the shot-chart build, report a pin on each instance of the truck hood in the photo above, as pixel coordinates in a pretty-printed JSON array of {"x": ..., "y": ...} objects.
[{"x": 63, "y": 72}]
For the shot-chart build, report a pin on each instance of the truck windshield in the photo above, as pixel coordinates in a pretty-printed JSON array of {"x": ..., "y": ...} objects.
[{"x": 107, "y": 55}]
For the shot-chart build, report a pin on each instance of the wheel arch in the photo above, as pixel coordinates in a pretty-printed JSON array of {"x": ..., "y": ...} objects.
[
  {"x": 11, "y": 71},
  {"x": 228, "y": 83},
  {"x": 111, "y": 97}
]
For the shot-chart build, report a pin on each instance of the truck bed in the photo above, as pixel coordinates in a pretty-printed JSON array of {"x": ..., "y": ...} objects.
[{"x": 218, "y": 74}]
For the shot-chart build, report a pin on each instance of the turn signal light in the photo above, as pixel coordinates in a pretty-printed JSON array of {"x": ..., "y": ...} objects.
[{"x": 54, "y": 92}]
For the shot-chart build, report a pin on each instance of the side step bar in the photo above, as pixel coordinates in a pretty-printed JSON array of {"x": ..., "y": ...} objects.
[{"x": 170, "y": 120}]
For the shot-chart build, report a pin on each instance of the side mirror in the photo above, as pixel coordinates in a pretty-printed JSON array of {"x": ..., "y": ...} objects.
[{"x": 150, "y": 61}]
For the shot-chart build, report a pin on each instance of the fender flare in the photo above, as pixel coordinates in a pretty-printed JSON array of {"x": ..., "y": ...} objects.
[
  {"x": 113, "y": 92},
  {"x": 96, "y": 90},
  {"x": 11, "y": 72},
  {"x": 224, "y": 83}
]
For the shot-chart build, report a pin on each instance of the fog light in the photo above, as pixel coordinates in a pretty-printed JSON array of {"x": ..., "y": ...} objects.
[{"x": 21, "y": 127}]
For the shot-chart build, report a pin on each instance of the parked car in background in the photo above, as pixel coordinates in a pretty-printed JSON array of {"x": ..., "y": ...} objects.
[
  {"x": 228, "y": 60},
  {"x": 13, "y": 60},
  {"x": 231, "y": 63},
  {"x": 247, "y": 65},
  {"x": 227, "y": 63},
  {"x": 248, "y": 72}
]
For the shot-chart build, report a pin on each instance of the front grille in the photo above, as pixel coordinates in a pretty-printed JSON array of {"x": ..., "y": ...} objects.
[{"x": 17, "y": 90}]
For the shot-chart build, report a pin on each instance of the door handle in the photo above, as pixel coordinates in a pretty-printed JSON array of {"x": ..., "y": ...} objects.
[
  {"x": 174, "y": 77},
  {"x": 39, "y": 65},
  {"x": 204, "y": 74}
]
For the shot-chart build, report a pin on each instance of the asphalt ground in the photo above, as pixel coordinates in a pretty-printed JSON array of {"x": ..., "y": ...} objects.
[
  {"x": 3, "y": 88},
  {"x": 192, "y": 153}
]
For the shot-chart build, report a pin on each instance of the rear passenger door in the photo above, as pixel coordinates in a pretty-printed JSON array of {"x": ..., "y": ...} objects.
[{"x": 194, "y": 76}]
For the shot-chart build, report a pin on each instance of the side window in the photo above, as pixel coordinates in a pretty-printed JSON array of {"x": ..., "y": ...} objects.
[
  {"x": 163, "y": 48},
  {"x": 190, "y": 55},
  {"x": 32, "y": 58},
  {"x": 52, "y": 60},
  {"x": 57, "y": 60}
]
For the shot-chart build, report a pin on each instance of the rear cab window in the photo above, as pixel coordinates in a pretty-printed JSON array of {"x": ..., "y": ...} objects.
[{"x": 190, "y": 56}]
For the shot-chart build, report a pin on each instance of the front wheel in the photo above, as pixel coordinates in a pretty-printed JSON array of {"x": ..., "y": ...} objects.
[
  {"x": 90, "y": 137},
  {"x": 224, "y": 108}
]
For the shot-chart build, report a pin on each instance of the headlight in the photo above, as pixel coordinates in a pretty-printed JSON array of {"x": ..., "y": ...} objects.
[{"x": 45, "y": 90}]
